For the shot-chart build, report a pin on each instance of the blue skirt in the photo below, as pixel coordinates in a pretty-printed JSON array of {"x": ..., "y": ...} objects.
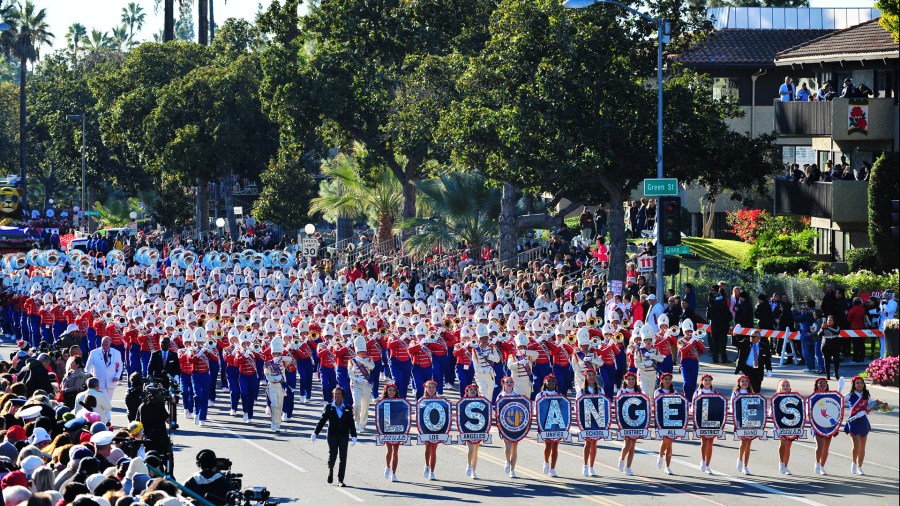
[{"x": 858, "y": 427}]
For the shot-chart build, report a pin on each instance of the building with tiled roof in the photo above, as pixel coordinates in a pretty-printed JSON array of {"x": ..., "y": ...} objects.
[{"x": 866, "y": 41}]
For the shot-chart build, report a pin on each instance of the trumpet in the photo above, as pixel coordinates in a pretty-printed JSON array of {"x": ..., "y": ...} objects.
[
  {"x": 231, "y": 321},
  {"x": 571, "y": 339},
  {"x": 448, "y": 322},
  {"x": 121, "y": 321},
  {"x": 256, "y": 348},
  {"x": 201, "y": 321},
  {"x": 313, "y": 335},
  {"x": 295, "y": 342},
  {"x": 595, "y": 342},
  {"x": 699, "y": 334},
  {"x": 618, "y": 337},
  {"x": 220, "y": 333},
  {"x": 591, "y": 321},
  {"x": 383, "y": 331},
  {"x": 626, "y": 322},
  {"x": 210, "y": 343},
  {"x": 456, "y": 321},
  {"x": 360, "y": 329},
  {"x": 521, "y": 327},
  {"x": 502, "y": 322},
  {"x": 108, "y": 315},
  {"x": 504, "y": 336}
]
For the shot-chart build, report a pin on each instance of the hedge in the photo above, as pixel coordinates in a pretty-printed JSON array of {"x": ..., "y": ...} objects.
[
  {"x": 778, "y": 264},
  {"x": 859, "y": 259}
]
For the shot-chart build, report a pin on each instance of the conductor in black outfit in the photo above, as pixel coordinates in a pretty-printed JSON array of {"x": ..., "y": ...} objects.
[
  {"x": 341, "y": 429},
  {"x": 163, "y": 363}
]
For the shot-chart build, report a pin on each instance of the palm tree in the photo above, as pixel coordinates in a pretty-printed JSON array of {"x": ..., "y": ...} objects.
[
  {"x": 98, "y": 41},
  {"x": 119, "y": 37},
  {"x": 116, "y": 212},
  {"x": 351, "y": 194},
  {"x": 464, "y": 209},
  {"x": 133, "y": 16},
  {"x": 75, "y": 36},
  {"x": 28, "y": 32}
]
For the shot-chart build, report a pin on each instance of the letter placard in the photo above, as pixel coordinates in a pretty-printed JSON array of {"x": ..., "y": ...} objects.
[
  {"x": 710, "y": 413},
  {"x": 392, "y": 421},
  {"x": 633, "y": 416},
  {"x": 592, "y": 416},
  {"x": 748, "y": 413},
  {"x": 554, "y": 415},
  {"x": 433, "y": 420},
  {"x": 671, "y": 416},
  {"x": 826, "y": 411},
  {"x": 513, "y": 417},
  {"x": 788, "y": 416},
  {"x": 473, "y": 420}
]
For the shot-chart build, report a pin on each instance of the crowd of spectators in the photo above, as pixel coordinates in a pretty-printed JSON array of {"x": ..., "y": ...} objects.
[
  {"x": 788, "y": 92},
  {"x": 810, "y": 172}
]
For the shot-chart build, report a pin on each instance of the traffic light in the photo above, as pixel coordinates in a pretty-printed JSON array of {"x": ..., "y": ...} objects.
[
  {"x": 670, "y": 221},
  {"x": 671, "y": 266}
]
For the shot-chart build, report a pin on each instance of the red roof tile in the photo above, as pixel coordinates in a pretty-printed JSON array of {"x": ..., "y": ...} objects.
[
  {"x": 745, "y": 48},
  {"x": 868, "y": 37}
]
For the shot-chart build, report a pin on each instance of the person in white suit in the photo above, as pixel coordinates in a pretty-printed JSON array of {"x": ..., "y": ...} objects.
[{"x": 105, "y": 364}]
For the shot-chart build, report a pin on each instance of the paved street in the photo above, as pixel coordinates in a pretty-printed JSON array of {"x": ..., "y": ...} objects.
[{"x": 294, "y": 469}]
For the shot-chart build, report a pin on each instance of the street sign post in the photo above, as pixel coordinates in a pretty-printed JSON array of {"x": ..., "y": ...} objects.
[
  {"x": 92, "y": 213},
  {"x": 682, "y": 249},
  {"x": 660, "y": 187},
  {"x": 309, "y": 247}
]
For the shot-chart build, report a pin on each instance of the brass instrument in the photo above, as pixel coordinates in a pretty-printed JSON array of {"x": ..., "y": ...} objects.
[
  {"x": 595, "y": 342},
  {"x": 456, "y": 321},
  {"x": 337, "y": 340},
  {"x": 360, "y": 329},
  {"x": 256, "y": 348},
  {"x": 121, "y": 321},
  {"x": 231, "y": 320},
  {"x": 220, "y": 333},
  {"x": 521, "y": 327},
  {"x": 699, "y": 334},
  {"x": 108, "y": 315},
  {"x": 618, "y": 337},
  {"x": 448, "y": 322},
  {"x": 295, "y": 343},
  {"x": 383, "y": 331},
  {"x": 591, "y": 321},
  {"x": 502, "y": 322},
  {"x": 210, "y": 343},
  {"x": 571, "y": 339},
  {"x": 160, "y": 329},
  {"x": 504, "y": 336},
  {"x": 313, "y": 335},
  {"x": 626, "y": 322},
  {"x": 674, "y": 330},
  {"x": 201, "y": 321}
]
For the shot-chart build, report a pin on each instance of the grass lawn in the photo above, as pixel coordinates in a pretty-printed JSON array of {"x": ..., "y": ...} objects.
[{"x": 717, "y": 249}]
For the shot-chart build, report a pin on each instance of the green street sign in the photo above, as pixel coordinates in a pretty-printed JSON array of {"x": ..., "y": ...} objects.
[
  {"x": 92, "y": 213},
  {"x": 683, "y": 249},
  {"x": 660, "y": 187}
]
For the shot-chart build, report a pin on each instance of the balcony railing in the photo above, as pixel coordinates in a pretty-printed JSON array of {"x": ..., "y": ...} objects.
[
  {"x": 839, "y": 201},
  {"x": 803, "y": 118}
]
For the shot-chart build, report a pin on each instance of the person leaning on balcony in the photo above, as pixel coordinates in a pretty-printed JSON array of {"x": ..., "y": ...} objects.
[
  {"x": 787, "y": 90},
  {"x": 825, "y": 92},
  {"x": 803, "y": 94},
  {"x": 848, "y": 175}
]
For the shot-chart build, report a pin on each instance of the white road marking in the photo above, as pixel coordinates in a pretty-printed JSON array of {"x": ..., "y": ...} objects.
[
  {"x": 760, "y": 486},
  {"x": 258, "y": 447},
  {"x": 348, "y": 494},
  {"x": 848, "y": 457}
]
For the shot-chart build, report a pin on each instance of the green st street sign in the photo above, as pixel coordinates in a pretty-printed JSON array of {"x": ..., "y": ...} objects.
[
  {"x": 683, "y": 249},
  {"x": 92, "y": 213},
  {"x": 660, "y": 187}
]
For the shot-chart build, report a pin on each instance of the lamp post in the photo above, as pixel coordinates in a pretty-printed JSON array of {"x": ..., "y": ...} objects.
[
  {"x": 220, "y": 224},
  {"x": 83, "y": 118},
  {"x": 663, "y": 35}
]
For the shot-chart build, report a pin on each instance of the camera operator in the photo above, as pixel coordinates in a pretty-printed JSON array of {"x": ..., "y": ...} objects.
[
  {"x": 209, "y": 483},
  {"x": 152, "y": 413}
]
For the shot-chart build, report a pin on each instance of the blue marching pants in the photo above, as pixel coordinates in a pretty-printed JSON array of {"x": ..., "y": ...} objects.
[
  {"x": 564, "y": 377},
  {"x": 621, "y": 366},
  {"x": 450, "y": 369},
  {"x": 465, "y": 377},
  {"x": 328, "y": 382},
  {"x": 386, "y": 360},
  {"x": 290, "y": 382},
  {"x": 202, "y": 382},
  {"x": 420, "y": 376},
  {"x": 187, "y": 392},
  {"x": 145, "y": 362},
  {"x": 401, "y": 371},
  {"x": 438, "y": 363},
  {"x": 234, "y": 373},
  {"x": 343, "y": 381},
  {"x": 133, "y": 360},
  {"x": 304, "y": 377},
  {"x": 608, "y": 375},
  {"x": 46, "y": 334},
  {"x": 539, "y": 371},
  {"x": 34, "y": 329},
  {"x": 375, "y": 378},
  {"x": 690, "y": 367},
  {"x": 499, "y": 373},
  {"x": 91, "y": 336},
  {"x": 58, "y": 329},
  {"x": 249, "y": 390},
  {"x": 213, "y": 375}
]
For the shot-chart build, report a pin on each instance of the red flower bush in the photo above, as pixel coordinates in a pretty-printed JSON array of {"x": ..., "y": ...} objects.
[
  {"x": 747, "y": 223},
  {"x": 884, "y": 371}
]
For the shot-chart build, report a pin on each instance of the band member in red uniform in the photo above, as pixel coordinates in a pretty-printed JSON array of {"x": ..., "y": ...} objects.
[
  {"x": 186, "y": 363},
  {"x": 325, "y": 351},
  {"x": 203, "y": 355},
  {"x": 401, "y": 365},
  {"x": 562, "y": 364},
  {"x": 232, "y": 372},
  {"x": 245, "y": 359},
  {"x": 422, "y": 359},
  {"x": 691, "y": 346},
  {"x": 607, "y": 355}
]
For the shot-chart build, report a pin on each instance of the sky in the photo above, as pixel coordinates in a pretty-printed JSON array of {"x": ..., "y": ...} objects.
[{"x": 105, "y": 14}]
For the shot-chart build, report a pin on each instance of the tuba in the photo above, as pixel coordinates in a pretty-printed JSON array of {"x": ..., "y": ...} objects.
[
  {"x": 115, "y": 257},
  {"x": 51, "y": 258}
]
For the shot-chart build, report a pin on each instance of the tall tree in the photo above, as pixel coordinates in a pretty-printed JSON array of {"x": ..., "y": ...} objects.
[
  {"x": 890, "y": 16},
  {"x": 168, "y": 20},
  {"x": 133, "y": 16},
  {"x": 203, "y": 22},
  {"x": 184, "y": 26},
  {"x": 99, "y": 41},
  {"x": 28, "y": 32},
  {"x": 119, "y": 38},
  {"x": 76, "y": 36}
]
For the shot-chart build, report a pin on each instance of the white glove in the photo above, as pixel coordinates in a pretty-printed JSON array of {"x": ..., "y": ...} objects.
[
  {"x": 312, "y": 438},
  {"x": 648, "y": 363},
  {"x": 587, "y": 359},
  {"x": 352, "y": 441},
  {"x": 523, "y": 362},
  {"x": 768, "y": 374},
  {"x": 841, "y": 384}
]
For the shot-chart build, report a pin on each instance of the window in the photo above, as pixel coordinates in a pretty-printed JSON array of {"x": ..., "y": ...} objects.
[{"x": 726, "y": 87}]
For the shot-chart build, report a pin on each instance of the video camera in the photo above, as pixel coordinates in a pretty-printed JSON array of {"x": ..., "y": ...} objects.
[{"x": 236, "y": 496}]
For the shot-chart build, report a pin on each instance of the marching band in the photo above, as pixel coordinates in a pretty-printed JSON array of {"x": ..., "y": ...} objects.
[{"x": 253, "y": 321}]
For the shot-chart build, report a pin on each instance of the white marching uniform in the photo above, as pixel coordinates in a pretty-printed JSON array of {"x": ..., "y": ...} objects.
[
  {"x": 519, "y": 369},
  {"x": 581, "y": 363},
  {"x": 645, "y": 360},
  {"x": 274, "y": 372},
  {"x": 483, "y": 360},
  {"x": 362, "y": 389}
]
